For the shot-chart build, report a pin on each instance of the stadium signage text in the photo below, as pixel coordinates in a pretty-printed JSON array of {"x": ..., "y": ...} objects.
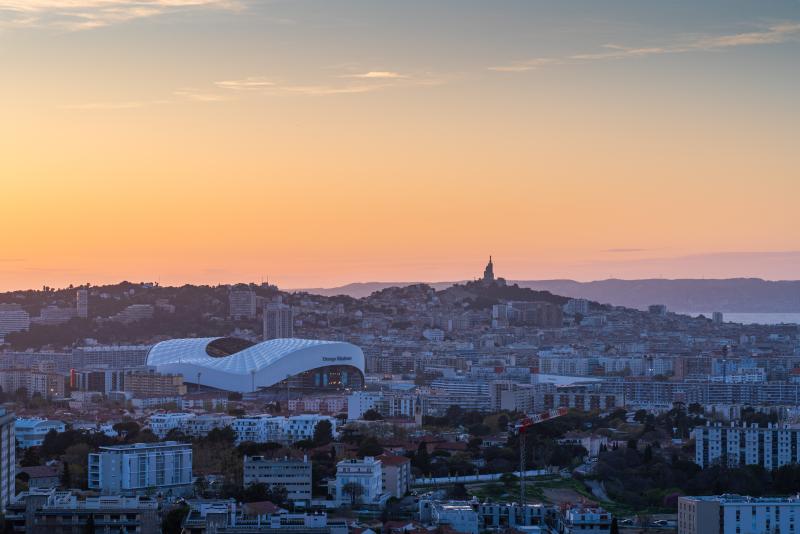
[{"x": 336, "y": 358}]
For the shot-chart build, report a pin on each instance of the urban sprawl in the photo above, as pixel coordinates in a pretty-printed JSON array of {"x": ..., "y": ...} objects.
[{"x": 483, "y": 407}]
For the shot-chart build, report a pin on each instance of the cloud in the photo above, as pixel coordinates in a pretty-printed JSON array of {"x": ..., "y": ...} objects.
[
  {"x": 247, "y": 84},
  {"x": 778, "y": 33},
  {"x": 526, "y": 65},
  {"x": 365, "y": 82},
  {"x": 774, "y": 34},
  {"x": 87, "y": 14},
  {"x": 196, "y": 95},
  {"x": 322, "y": 90},
  {"x": 625, "y": 250},
  {"x": 379, "y": 75},
  {"x": 133, "y": 104}
]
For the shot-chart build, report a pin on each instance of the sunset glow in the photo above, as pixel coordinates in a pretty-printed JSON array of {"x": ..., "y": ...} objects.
[{"x": 321, "y": 143}]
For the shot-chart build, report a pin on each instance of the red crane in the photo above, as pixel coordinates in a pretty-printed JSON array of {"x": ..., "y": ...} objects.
[{"x": 521, "y": 428}]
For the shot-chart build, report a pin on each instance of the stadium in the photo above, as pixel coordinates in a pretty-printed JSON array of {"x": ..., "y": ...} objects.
[{"x": 233, "y": 364}]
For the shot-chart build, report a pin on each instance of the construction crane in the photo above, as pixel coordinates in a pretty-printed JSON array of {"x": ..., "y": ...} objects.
[{"x": 521, "y": 428}]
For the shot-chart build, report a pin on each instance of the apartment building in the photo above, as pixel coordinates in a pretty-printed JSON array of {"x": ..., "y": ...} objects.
[
  {"x": 770, "y": 447},
  {"x": 142, "y": 468},
  {"x": 294, "y": 475},
  {"x": 735, "y": 514}
]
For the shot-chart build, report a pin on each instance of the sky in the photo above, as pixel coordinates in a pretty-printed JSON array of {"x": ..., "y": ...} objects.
[{"x": 317, "y": 143}]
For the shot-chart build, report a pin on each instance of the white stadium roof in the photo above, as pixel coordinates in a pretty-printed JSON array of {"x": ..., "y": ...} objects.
[{"x": 233, "y": 364}]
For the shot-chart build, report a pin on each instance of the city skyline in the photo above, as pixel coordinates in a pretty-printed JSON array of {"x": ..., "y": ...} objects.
[{"x": 216, "y": 141}]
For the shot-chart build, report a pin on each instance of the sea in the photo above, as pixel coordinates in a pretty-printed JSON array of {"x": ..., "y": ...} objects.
[{"x": 754, "y": 318}]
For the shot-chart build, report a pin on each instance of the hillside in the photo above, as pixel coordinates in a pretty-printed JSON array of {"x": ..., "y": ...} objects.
[{"x": 735, "y": 295}]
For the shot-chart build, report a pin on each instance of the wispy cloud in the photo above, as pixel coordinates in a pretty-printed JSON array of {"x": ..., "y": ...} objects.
[
  {"x": 197, "y": 95},
  {"x": 322, "y": 90},
  {"x": 88, "y": 14},
  {"x": 352, "y": 83},
  {"x": 378, "y": 75},
  {"x": 774, "y": 34},
  {"x": 132, "y": 104},
  {"x": 247, "y": 84}
]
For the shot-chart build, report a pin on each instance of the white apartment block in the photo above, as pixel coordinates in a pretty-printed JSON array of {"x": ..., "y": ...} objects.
[
  {"x": 142, "y": 468},
  {"x": 770, "y": 447},
  {"x": 13, "y": 319},
  {"x": 294, "y": 475},
  {"x": 388, "y": 404},
  {"x": 262, "y": 428},
  {"x": 580, "y": 520},
  {"x": 734, "y": 514},
  {"x": 366, "y": 473},
  {"x": 31, "y": 432},
  {"x": 162, "y": 424},
  {"x": 460, "y": 516},
  {"x": 278, "y": 429},
  {"x": 188, "y": 423}
]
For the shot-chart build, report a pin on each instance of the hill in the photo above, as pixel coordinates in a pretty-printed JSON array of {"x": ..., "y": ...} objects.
[{"x": 734, "y": 295}]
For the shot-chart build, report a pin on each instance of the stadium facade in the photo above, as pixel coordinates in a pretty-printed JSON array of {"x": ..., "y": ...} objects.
[{"x": 233, "y": 364}]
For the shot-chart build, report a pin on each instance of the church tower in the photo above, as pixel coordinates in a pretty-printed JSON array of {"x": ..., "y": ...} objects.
[{"x": 488, "y": 273}]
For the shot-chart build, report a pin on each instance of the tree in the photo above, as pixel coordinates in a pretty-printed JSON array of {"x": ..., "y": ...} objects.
[
  {"x": 354, "y": 490},
  {"x": 422, "y": 460},
  {"x": 372, "y": 415},
  {"x": 66, "y": 480},
  {"x": 30, "y": 457},
  {"x": 173, "y": 520},
  {"x": 323, "y": 433},
  {"x": 90, "y": 527},
  {"x": 127, "y": 429},
  {"x": 369, "y": 446}
]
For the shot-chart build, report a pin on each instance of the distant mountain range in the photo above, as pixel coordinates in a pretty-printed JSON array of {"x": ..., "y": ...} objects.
[{"x": 734, "y": 295}]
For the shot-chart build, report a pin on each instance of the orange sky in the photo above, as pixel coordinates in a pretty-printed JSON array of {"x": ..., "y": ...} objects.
[{"x": 321, "y": 145}]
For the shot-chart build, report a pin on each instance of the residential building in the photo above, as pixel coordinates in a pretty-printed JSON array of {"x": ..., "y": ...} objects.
[
  {"x": 225, "y": 516},
  {"x": 99, "y": 380},
  {"x": 458, "y": 515},
  {"x": 242, "y": 302},
  {"x": 142, "y": 468},
  {"x": 735, "y": 514},
  {"x": 584, "y": 520},
  {"x": 278, "y": 321},
  {"x": 143, "y": 384},
  {"x": 48, "y": 384},
  {"x": 495, "y": 515},
  {"x": 13, "y": 319},
  {"x": 63, "y": 512},
  {"x": 574, "y": 306},
  {"x": 31, "y": 432},
  {"x": 134, "y": 313},
  {"x": 396, "y": 475},
  {"x": 53, "y": 315},
  {"x": 735, "y": 445},
  {"x": 294, "y": 475},
  {"x": 82, "y": 303},
  {"x": 42, "y": 476},
  {"x": 161, "y": 424},
  {"x": 8, "y": 459},
  {"x": 111, "y": 356},
  {"x": 360, "y": 481}
]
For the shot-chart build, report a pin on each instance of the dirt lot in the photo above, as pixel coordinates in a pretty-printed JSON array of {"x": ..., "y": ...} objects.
[{"x": 565, "y": 495}]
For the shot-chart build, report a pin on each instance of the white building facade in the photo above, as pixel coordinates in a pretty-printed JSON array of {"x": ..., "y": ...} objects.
[
  {"x": 770, "y": 447},
  {"x": 142, "y": 468}
]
